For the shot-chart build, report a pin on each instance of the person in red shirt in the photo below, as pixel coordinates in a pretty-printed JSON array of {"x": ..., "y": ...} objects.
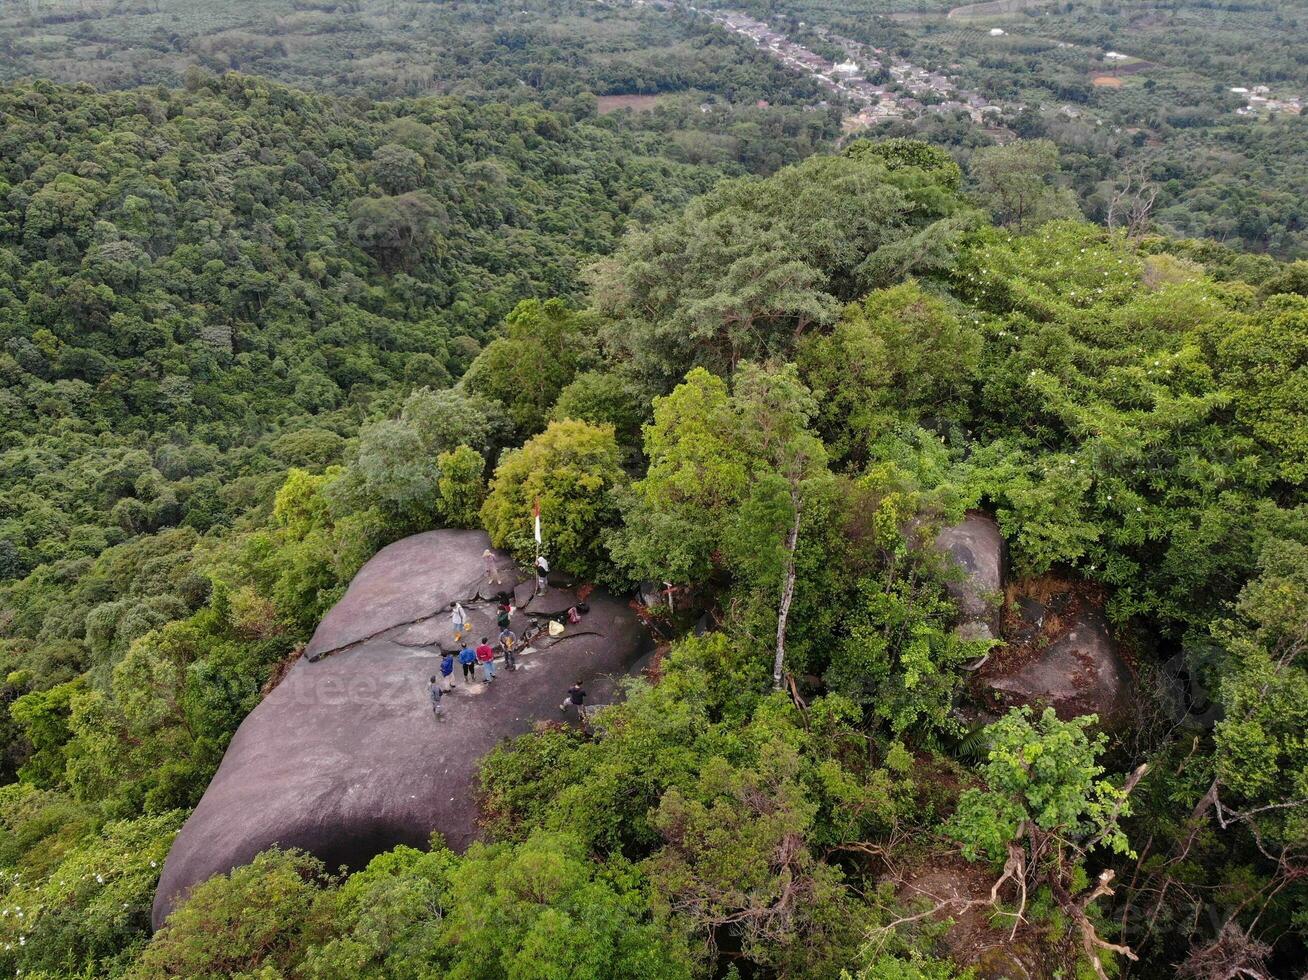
[{"x": 486, "y": 657}]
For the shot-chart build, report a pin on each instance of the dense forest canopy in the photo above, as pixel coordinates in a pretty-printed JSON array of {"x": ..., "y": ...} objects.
[
  {"x": 1161, "y": 126},
  {"x": 552, "y": 48},
  {"x": 190, "y": 277},
  {"x": 854, "y": 350},
  {"x": 562, "y": 54},
  {"x": 251, "y": 333}
]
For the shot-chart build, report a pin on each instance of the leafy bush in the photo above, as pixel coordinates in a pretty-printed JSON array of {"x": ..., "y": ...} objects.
[{"x": 573, "y": 470}]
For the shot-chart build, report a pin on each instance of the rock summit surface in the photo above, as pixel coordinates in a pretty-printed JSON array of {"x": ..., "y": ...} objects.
[{"x": 345, "y": 759}]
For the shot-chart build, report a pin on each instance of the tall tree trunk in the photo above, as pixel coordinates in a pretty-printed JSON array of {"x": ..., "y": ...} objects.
[{"x": 788, "y": 591}]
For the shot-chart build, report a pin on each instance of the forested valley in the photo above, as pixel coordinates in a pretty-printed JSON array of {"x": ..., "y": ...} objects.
[{"x": 252, "y": 333}]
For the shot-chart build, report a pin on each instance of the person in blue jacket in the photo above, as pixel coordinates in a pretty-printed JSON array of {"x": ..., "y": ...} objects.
[
  {"x": 447, "y": 670},
  {"x": 468, "y": 657}
]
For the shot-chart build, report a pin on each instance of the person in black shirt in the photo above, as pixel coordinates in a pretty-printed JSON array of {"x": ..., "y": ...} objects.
[{"x": 576, "y": 697}]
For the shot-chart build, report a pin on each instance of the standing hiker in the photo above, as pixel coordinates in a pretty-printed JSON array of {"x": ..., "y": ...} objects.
[
  {"x": 486, "y": 657},
  {"x": 575, "y": 697},
  {"x": 468, "y": 658},
  {"x": 492, "y": 568},
  {"x": 508, "y": 643},
  {"x": 459, "y": 620},
  {"x": 542, "y": 573},
  {"x": 447, "y": 670},
  {"x": 435, "y": 692}
]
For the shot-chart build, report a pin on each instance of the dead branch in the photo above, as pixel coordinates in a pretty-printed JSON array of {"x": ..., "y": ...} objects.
[
  {"x": 800, "y": 703},
  {"x": 1091, "y": 941},
  {"x": 1015, "y": 871}
]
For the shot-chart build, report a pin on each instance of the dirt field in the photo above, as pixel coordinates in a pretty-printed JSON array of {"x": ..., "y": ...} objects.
[
  {"x": 1106, "y": 81},
  {"x": 994, "y": 8},
  {"x": 637, "y": 103}
]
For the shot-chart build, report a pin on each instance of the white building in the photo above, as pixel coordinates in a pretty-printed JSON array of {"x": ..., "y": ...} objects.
[
  {"x": 997, "y": 32},
  {"x": 846, "y": 68}
]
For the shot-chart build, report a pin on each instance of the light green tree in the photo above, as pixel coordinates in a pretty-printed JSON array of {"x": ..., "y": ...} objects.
[
  {"x": 774, "y": 411},
  {"x": 398, "y": 464},
  {"x": 1044, "y": 807},
  {"x": 898, "y": 152},
  {"x": 894, "y": 358},
  {"x": 527, "y": 368},
  {"x": 602, "y": 397},
  {"x": 726, "y": 484},
  {"x": 461, "y": 486},
  {"x": 895, "y": 650},
  {"x": 574, "y": 471},
  {"x": 258, "y": 917},
  {"x": 82, "y": 915},
  {"x": 697, "y": 476},
  {"x": 736, "y": 860},
  {"x": 1261, "y": 779},
  {"x": 543, "y": 909},
  {"x": 384, "y": 921}
]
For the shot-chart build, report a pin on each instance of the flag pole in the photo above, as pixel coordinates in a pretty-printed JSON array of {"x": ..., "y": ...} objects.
[{"x": 535, "y": 566}]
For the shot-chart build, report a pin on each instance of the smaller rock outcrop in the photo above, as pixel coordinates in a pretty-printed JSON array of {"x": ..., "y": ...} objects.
[
  {"x": 1077, "y": 673},
  {"x": 977, "y": 548},
  {"x": 1058, "y": 653}
]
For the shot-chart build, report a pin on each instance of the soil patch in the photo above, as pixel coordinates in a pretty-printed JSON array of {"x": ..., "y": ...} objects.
[
  {"x": 1029, "y": 630},
  {"x": 636, "y": 103},
  {"x": 976, "y": 937}
]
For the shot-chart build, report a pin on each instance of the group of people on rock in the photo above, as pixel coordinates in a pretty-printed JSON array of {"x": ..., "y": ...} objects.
[
  {"x": 493, "y": 570},
  {"x": 483, "y": 654}
]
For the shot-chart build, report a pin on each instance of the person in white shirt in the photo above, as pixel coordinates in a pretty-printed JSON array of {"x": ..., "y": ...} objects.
[{"x": 459, "y": 620}]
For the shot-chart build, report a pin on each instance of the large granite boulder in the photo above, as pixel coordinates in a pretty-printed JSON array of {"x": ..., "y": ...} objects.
[
  {"x": 344, "y": 758},
  {"x": 977, "y": 548}
]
